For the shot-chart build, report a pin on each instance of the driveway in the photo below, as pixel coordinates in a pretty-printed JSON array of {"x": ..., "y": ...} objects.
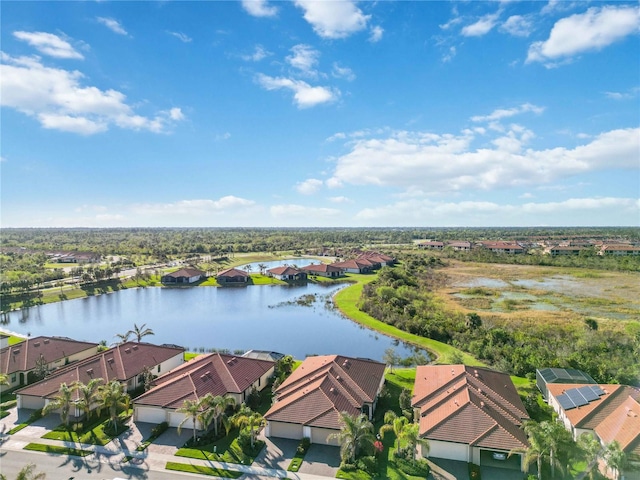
[
  {"x": 321, "y": 460},
  {"x": 169, "y": 442},
  {"x": 41, "y": 426},
  {"x": 277, "y": 453}
]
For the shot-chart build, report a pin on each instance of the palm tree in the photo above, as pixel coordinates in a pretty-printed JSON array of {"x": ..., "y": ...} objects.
[
  {"x": 536, "y": 449},
  {"x": 616, "y": 458},
  {"x": 140, "y": 332},
  {"x": 216, "y": 407},
  {"x": 28, "y": 473},
  {"x": 355, "y": 435},
  {"x": 247, "y": 417},
  {"x": 411, "y": 435},
  {"x": 114, "y": 397},
  {"x": 262, "y": 267},
  {"x": 4, "y": 379},
  {"x": 123, "y": 337},
  {"x": 193, "y": 410},
  {"x": 557, "y": 439},
  {"x": 590, "y": 449},
  {"x": 395, "y": 424},
  {"x": 63, "y": 402},
  {"x": 88, "y": 394}
]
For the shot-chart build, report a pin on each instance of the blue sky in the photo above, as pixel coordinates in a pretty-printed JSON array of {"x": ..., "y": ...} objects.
[{"x": 320, "y": 113}]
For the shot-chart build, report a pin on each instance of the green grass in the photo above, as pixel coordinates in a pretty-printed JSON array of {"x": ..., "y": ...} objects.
[
  {"x": 214, "y": 472},
  {"x": 227, "y": 450},
  {"x": 259, "y": 279},
  {"x": 94, "y": 433},
  {"x": 34, "y": 416},
  {"x": 41, "y": 447},
  {"x": 347, "y": 299},
  {"x": 190, "y": 356},
  {"x": 3, "y": 413}
]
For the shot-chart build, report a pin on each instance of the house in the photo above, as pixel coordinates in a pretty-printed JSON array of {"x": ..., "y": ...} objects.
[
  {"x": 609, "y": 412},
  {"x": 377, "y": 258},
  {"x": 310, "y": 400},
  {"x": 431, "y": 245},
  {"x": 510, "y": 248},
  {"x": 214, "y": 373},
  {"x": 4, "y": 340},
  {"x": 470, "y": 414},
  {"x": 182, "y": 276},
  {"x": 323, "y": 270},
  {"x": 460, "y": 246},
  {"x": 125, "y": 363},
  {"x": 73, "y": 257},
  {"x": 354, "y": 266},
  {"x": 232, "y": 276},
  {"x": 565, "y": 250},
  {"x": 264, "y": 355},
  {"x": 620, "y": 250},
  {"x": 18, "y": 361},
  {"x": 546, "y": 376},
  {"x": 287, "y": 273}
]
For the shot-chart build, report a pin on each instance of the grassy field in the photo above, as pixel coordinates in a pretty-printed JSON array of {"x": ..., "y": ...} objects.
[
  {"x": 214, "y": 472},
  {"x": 93, "y": 433}
]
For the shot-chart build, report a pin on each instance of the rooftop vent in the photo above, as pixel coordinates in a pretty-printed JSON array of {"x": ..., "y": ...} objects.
[
  {"x": 337, "y": 377},
  {"x": 127, "y": 350},
  {"x": 482, "y": 404},
  {"x": 36, "y": 344},
  {"x": 110, "y": 360},
  {"x": 15, "y": 352},
  {"x": 90, "y": 371},
  {"x": 203, "y": 377},
  {"x": 46, "y": 340},
  {"x": 135, "y": 347}
]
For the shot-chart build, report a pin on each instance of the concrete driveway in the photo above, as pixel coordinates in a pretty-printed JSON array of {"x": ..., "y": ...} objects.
[
  {"x": 321, "y": 460},
  {"x": 277, "y": 453},
  {"x": 169, "y": 442}
]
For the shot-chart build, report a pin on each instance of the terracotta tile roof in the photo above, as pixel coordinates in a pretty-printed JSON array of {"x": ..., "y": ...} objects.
[
  {"x": 121, "y": 362},
  {"x": 588, "y": 416},
  {"x": 215, "y": 373},
  {"x": 357, "y": 263},
  {"x": 22, "y": 356},
  {"x": 185, "y": 272},
  {"x": 323, "y": 386},
  {"x": 232, "y": 272},
  {"x": 469, "y": 405},
  {"x": 622, "y": 425},
  {"x": 377, "y": 256},
  {"x": 322, "y": 267},
  {"x": 285, "y": 270}
]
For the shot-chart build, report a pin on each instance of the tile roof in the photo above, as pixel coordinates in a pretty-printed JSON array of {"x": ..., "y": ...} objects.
[
  {"x": 22, "y": 356},
  {"x": 285, "y": 270},
  {"x": 232, "y": 272},
  {"x": 214, "y": 373},
  {"x": 322, "y": 267},
  {"x": 323, "y": 386},
  {"x": 185, "y": 272},
  {"x": 121, "y": 362},
  {"x": 471, "y": 405},
  {"x": 357, "y": 263},
  {"x": 623, "y": 425}
]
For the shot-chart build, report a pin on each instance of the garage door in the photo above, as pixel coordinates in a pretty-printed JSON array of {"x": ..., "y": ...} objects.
[
  {"x": 31, "y": 402},
  {"x": 150, "y": 415},
  {"x": 449, "y": 450},
  {"x": 176, "y": 417},
  {"x": 285, "y": 430},
  {"x": 321, "y": 436}
]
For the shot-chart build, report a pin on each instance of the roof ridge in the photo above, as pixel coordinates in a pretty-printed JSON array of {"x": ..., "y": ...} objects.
[
  {"x": 445, "y": 419},
  {"x": 596, "y": 409},
  {"x": 226, "y": 367},
  {"x": 446, "y": 386},
  {"x": 445, "y": 396},
  {"x": 497, "y": 422},
  {"x": 473, "y": 377}
]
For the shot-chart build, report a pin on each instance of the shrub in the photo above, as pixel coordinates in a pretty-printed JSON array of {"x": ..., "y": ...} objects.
[
  {"x": 159, "y": 429},
  {"x": 417, "y": 468},
  {"x": 303, "y": 446},
  {"x": 348, "y": 467},
  {"x": 368, "y": 464},
  {"x": 474, "y": 472},
  {"x": 244, "y": 440}
]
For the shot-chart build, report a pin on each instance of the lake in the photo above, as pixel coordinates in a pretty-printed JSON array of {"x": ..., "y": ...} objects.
[{"x": 236, "y": 318}]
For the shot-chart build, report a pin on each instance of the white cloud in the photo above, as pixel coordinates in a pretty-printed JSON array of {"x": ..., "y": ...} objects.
[
  {"x": 508, "y": 112},
  {"x": 446, "y": 163},
  {"x": 259, "y": 53},
  {"x": 451, "y": 53},
  {"x": 628, "y": 95},
  {"x": 180, "y": 36},
  {"x": 49, "y": 44},
  {"x": 376, "y": 34},
  {"x": 259, "y": 8},
  {"x": 333, "y": 19},
  {"x": 222, "y": 136},
  {"x": 309, "y": 186},
  {"x": 193, "y": 207},
  {"x": 482, "y": 26},
  {"x": 304, "y": 58},
  {"x": 336, "y": 136},
  {"x": 574, "y": 211},
  {"x": 518, "y": 26},
  {"x": 593, "y": 30},
  {"x": 289, "y": 211},
  {"x": 113, "y": 25},
  {"x": 58, "y": 100},
  {"x": 343, "y": 72},
  {"x": 340, "y": 199},
  {"x": 304, "y": 95}
]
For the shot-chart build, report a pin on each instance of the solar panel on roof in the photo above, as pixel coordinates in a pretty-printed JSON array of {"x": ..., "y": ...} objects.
[
  {"x": 588, "y": 393},
  {"x": 576, "y": 397},
  {"x": 565, "y": 402},
  {"x": 597, "y": 390}
]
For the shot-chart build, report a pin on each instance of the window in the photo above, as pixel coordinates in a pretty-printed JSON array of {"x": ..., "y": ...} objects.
[
  {"x": 158, "y": 368},
  {"x": 259, "y": 381},
  {"x": 13, "y": 378}
]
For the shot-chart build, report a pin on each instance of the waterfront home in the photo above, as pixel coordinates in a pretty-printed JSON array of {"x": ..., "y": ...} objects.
[
  {"x": 19, "y": 361},
  {"x": 287, "y": 273},
  {"x": 309, "y": 402},
  {"x": 232, "y": 276},
  {"x": 470, "y": 414},
  {"x": 215, "y": 373},
  {"x": 323, "y": 270},
  {"x": 354, "y": 266},
  {"x": 182, "y": 276},
  {"x": 546, "y": 376},
  {"x": 126, "y": 363}
]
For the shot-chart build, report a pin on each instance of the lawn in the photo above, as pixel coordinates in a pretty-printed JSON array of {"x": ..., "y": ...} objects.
[
  {"x": 94, "y": 433},
  {"x": 214, "y": 472},
  {"x": 259, "y": 279},
  {"x": 224, "y": 450},
  {"x": 41, "y": 447}
]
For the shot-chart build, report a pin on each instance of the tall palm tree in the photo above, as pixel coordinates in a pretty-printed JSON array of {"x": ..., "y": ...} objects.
[
  {"x": 89, "y": 394},
  {"x": 557, "y": 439},
  {"x": 262, "y": 267},
  {"x": 411, "y": 435},
  {"x": 114, "y": 397},
  {"x": 395, "y": 424},
  {"x": 590, "y": 449},
  {"x": 63, "y": 402},
  {"x": 616, "y": 458},
  {"x": 140, "y": 331},
  {"x": 193, "y": 410},
  {"x": 216, "y": 407},
  {"x": 28, "y": 473},
  {"x": 356, "y": 435},
  {"x": 123, "y": 337},
  {"x": 537, "y": 448},
  {"x": 247, "y": 417}
]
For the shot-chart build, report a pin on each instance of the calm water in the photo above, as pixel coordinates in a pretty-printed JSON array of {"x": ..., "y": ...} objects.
[{"x": 254, "y": 317}]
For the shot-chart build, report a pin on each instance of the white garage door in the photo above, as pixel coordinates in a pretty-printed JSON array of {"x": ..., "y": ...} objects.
[
  {"x": 449, "y": 450},
  {"x": 28, "y": 401},
  {"x": 285, "y": 430},
  {"x": 150, "y": 415},
  {"x": 321, "y": 436},
  {"x": 176, "y": 417}
]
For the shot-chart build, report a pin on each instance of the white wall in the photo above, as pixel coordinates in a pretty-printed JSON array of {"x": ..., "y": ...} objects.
[{"x": 449, "y": 450}]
